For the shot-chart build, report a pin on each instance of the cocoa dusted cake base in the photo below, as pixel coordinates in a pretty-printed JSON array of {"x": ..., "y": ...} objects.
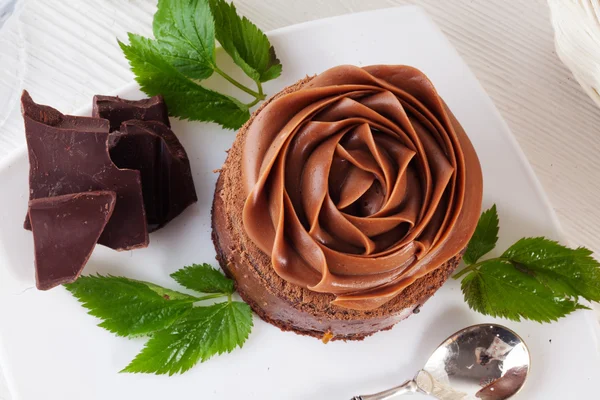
[{"x": 285, "y": 305}]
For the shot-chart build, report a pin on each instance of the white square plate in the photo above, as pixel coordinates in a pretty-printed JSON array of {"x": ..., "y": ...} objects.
[{"x": 51, "y": 349}]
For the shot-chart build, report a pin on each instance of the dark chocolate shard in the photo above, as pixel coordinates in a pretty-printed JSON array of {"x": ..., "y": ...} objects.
[
  {"x": 117, "y": 110},
  {"x": 68, "y": 155},
  {"x": 167, "y": 183},
  {"x": 65, "y": 231}
]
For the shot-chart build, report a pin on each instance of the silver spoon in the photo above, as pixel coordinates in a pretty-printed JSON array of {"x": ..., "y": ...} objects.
[{"x": 487, "y": 362}]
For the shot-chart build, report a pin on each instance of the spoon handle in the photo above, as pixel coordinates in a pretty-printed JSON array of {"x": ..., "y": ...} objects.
[{"x": 409, "y": 386}]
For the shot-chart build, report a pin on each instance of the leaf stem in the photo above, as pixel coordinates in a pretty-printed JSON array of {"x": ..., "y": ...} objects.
[
  {"x": 473, "y": 267},
  {"x": 468, "y": 268},
  {"x": 257, "y": 95},
  {"x": 208, "y": 297},
  {"x": 255, "y": 102}
]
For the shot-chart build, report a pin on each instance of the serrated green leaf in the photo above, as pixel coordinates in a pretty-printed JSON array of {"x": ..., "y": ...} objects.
[
  {"x": 475, "y": 294},
  {"x": 203, "y": 278},
  {"x": 485, "y": 237},
  {"x": 247, "y": 45},
  {"x": 201, "y": 334},
  {"x": 185, "y": 33},
  {"x": 567, "y": 272},
  {"x": 498, "y": 289},
  {"x": 185, "y": 98},
  {"x": 128, "y": 307}
]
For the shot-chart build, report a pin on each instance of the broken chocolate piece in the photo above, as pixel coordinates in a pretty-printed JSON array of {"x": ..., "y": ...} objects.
[
  {"x": 117, "y": 110},
  {"x": 153, "y": 149},
  {"x": 69, "y": 154},
  {"x": 65, "y": 231}
]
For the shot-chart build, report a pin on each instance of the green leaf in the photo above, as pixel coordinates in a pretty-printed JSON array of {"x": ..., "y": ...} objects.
[
  {"x": 185, "y": 33},
  {"x": 185, "y": 98},
  {"x": 567, "y": 272},
  {"x": 498, "y": 289},
  {"x": 128, "y": 307},
  {"x": 485, "y": 237},
  {"x": 202, "y": 333},
  {"x": 204, "y": 278},
  {"x": 247, "y": 45}
]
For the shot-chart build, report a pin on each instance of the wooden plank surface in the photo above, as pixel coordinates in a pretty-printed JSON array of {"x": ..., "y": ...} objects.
[{"x": 65, "y": 51}]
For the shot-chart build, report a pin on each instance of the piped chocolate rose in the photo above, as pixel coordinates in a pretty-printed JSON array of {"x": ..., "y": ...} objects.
[{"x": 360, "y": 183}]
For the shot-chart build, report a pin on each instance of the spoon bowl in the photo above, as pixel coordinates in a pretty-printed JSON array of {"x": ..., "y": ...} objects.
[{"x": 485, "y": 362}]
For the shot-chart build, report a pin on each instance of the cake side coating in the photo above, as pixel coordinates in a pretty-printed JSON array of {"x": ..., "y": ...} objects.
[{"x": 285, "y": 305}]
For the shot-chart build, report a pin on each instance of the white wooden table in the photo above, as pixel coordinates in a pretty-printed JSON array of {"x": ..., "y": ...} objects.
[{"x": 64, "y": 52}]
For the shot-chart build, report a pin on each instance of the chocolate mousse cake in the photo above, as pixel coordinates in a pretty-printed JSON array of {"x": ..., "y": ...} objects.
[{"x": 346, "y": 201}]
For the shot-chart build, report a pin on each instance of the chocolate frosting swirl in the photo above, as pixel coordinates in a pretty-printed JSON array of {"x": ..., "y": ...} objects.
[{"x": 360, "y": 183}]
